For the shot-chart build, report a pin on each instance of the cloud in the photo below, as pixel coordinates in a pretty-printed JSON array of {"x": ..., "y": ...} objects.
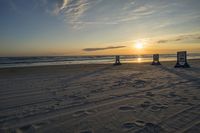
[
  {"x": 104, "y": 48},
  {"x": 93, "y": 23},
  {"x": 181, "y": 38},
  {"x": 78, "y": 14},
  {"x": 74, "y": 11},
  {"x": 81, "y": 13},
  {"x": 64, "y": 4},
  {"x": 53, "y": 7},
  {"x": 162, "y": 41}
]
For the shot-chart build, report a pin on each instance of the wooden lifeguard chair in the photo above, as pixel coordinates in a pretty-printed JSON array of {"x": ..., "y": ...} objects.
[
  {"x": 117, "y": 60},
  {"x": 156, "y": 59},
  {"x": 182, "y": 60}
]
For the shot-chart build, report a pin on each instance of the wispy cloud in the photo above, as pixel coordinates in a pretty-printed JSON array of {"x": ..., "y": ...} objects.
[
  {"x": 74, "y": 9},
  {"x": 135, "y": 14},
  {"x": 80, "y": 13},
  {"x": 75, "y": 12},
  {"x": 104, "y": 48},
  {"x": 64, "y": 4},
  {"x": 181, "y": 38}
]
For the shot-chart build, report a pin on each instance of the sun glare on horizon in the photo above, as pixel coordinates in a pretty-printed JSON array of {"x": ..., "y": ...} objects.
[{"x": 139, "y": 45}]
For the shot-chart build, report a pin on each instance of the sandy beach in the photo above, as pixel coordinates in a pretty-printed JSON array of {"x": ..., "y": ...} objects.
[{"x": 101, "y": 98}]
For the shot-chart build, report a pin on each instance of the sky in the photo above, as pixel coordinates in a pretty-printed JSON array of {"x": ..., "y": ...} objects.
[{"x": 98, "y": 27}]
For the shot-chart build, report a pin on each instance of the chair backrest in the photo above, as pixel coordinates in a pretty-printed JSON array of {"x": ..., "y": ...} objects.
[
  {"x": 156, "y": 57},
  {"x": 117, "y": 58},
  {"x": 182, "y": 57}
]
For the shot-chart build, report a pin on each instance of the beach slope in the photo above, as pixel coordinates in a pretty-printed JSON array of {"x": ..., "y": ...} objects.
[{"x": 101, "y": 98}]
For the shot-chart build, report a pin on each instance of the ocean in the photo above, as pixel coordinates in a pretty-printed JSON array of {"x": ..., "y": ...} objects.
[{"x": 61, "y": 60}]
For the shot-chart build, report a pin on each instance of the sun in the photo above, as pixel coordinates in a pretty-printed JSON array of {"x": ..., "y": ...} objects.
[{"x": 139, "y": 45}]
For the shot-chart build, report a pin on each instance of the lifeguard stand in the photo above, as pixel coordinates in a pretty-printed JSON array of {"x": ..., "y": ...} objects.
[
  {"x": 117, "y": 60},
  {"x": 156, "y": 60},
  {"x": 182, "y": 60}
]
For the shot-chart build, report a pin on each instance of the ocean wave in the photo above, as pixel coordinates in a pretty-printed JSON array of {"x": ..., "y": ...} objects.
[{"x": 52, "y": 60}]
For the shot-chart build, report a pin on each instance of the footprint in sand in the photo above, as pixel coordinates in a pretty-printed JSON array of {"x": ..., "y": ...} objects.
[
  {"x": 139, "y": 83},
  {"x": 158, "y": 107},
  {"x": 155, "y": 108},
  {"x": 149, "y": 94},
  {"x": 150, "y": 128},
  {"x": 171, "y": 95},
  {"x": 27, "y": 128},
  {"x": 126, "y": 108},
  {"x": 145, "y": 104},
  {"x": 83, "y": 113},
  {"x": 130, "y": 125},
  {"x": 140, "y": 123},
  {"x": 181, "y": 100},
  {"x": 96, "y": 91}
]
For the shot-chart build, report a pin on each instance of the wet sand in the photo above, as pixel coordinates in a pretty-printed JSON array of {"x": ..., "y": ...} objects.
[{"x": 101, "y": 98}]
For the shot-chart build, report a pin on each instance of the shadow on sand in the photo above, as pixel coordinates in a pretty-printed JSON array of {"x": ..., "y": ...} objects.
[{"x": 182, "y": 74}]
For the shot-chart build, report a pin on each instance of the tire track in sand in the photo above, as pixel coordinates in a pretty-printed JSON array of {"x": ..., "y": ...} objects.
[{"x": 182, "y": 120}]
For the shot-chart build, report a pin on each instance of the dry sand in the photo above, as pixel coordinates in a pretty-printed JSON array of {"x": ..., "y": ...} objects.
[{"x": 131, "y": 98}]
